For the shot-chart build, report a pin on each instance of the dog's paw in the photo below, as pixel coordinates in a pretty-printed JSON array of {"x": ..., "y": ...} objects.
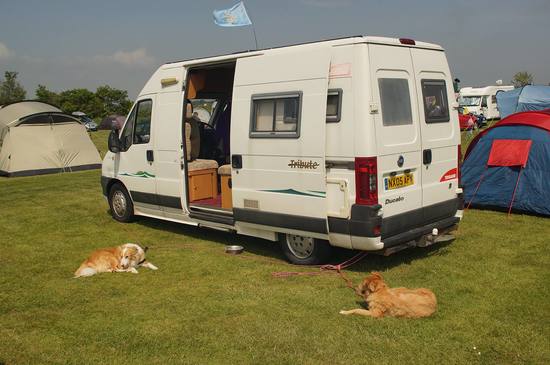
[
  {"x": 344, "y": 312},
  {"x": 151, "y": 266},
  {"x": 134, "y": 271}
]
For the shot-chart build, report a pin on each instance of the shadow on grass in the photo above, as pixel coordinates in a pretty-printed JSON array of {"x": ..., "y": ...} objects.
[
  {"x": 252, "y": 245},
  {"x": 260, "y": 247}
]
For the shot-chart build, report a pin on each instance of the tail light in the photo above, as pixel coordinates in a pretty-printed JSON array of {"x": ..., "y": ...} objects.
[
  {"x": 458, "y": 165},
  {"x": 407, "y": 41},
  {"x": 366, "y": 181}
]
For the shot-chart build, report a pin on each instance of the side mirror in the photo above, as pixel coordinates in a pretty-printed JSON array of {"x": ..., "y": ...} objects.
[{"x": 114, "y": 141}]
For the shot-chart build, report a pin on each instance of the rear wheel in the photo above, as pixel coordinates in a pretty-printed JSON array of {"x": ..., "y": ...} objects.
[
  {"x": 302, "y": 250},
  {"x": 122, "y": 208}
]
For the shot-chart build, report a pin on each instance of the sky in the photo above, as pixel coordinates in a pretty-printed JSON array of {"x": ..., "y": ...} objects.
[{"x": 65, "y": 44}]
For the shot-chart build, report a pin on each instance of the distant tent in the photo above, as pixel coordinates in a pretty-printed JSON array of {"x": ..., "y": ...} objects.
[
  {"x": 530, "y": 97},
  {"x": 111, "y": 121},
  {"x": 38, "y": 138},
  {"x": 508, "y": 165}
]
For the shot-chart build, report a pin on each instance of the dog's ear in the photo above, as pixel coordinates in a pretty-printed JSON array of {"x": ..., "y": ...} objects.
[
  {"x": 145, "y": 249},
  {"x": 376, "y": 275},
  {"x": 375, "y": 281}
]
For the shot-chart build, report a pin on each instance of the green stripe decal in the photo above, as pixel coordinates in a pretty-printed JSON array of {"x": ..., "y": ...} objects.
[
  {"x": 143, "y": 174},
  {"x": 316, "y": 194}
]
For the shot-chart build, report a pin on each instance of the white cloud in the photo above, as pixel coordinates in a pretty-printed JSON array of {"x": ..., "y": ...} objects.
[
  {"x": 5, "y": 52},
  {"x": 138, "y": 57},
  {"x": 327, "y": 3}
]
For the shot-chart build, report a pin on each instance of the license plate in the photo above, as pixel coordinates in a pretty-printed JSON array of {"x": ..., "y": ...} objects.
[{"x": 398, "y": 181}]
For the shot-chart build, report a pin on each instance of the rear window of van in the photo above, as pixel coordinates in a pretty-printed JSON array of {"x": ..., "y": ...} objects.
[
  {"x": 396, "y": 101},
  {"x": 434, "y": 94}
]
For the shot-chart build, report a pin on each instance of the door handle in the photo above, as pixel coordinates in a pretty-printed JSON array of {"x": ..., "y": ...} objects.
[
  {"x": 427, "y": 157},
  {"x": 237, "y": 161},
  {"x": 150, "y": 156}
]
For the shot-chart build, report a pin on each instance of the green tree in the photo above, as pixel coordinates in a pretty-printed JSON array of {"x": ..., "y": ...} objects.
[
  {"x": 522, "y": 78},
  {"x": 105, "y": 101},
  {"x": 82, "y": 100},
  {"x": 114, "y": 101},
  {"x": 46, "y": 96},
  {"x": 10, "y": 89}
]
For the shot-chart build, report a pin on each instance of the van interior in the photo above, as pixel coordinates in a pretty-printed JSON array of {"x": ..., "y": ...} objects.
[{"x": 207, "y": 137}]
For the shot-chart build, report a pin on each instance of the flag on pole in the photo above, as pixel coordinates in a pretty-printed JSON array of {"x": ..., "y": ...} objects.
[{"x": 235, "y": 16}]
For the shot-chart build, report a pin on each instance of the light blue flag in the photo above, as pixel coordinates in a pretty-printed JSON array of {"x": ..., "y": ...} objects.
[{"x": 235, "y": 16}]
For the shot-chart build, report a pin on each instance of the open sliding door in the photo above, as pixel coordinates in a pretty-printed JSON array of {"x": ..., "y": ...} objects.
[{"x": 278, "y": 139}]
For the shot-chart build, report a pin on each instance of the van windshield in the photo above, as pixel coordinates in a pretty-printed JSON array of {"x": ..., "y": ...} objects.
[{"x": 469, "y": 100}]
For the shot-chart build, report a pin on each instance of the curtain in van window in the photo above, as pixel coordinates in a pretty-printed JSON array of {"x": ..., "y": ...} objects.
[{"x": 395, "y": 100}]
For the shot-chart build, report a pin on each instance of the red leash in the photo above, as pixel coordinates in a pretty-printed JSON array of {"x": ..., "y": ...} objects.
[{"x": 328, "y": 269}]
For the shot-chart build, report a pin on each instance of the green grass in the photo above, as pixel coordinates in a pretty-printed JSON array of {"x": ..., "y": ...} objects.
[
  {"x": 203, "y": 306},
  {"x": 100, "y": 140}
]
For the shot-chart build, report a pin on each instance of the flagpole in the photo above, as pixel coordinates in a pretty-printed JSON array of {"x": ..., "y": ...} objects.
[
  {"x": 255, "y": 39},
  {"x": 253, "y": 29}
]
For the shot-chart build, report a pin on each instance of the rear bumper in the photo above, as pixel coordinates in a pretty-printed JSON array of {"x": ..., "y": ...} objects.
[{"x": 370, "y": 231}]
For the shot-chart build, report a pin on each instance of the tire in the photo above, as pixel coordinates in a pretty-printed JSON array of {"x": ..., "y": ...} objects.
[
  {"x": 122, "y": 207},
  {"x": 301, "y": 250}
]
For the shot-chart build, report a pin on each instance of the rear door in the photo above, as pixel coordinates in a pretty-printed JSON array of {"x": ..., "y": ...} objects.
[
  {"x": 439, "y": 129},
  {"x": 397, "y": 131},
  {"x": 278, "y": 138}
]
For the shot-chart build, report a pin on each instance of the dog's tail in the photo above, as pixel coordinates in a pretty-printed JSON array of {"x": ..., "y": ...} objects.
[{"x": 84, "y": 271}]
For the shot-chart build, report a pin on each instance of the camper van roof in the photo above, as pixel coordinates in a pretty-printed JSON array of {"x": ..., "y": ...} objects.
[
  {"x": 334, "y": 41},
  {"x": 487, "y": 90}
]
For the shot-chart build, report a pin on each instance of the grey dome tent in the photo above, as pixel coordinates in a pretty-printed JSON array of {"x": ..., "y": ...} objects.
[
  {"x": 38, "y": 138},
  {"x": 116, "y": 121}
]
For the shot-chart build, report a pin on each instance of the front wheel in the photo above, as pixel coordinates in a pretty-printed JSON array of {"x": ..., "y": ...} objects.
[
  {"x": 302, "y": 250},
  {"x": 122, "y": 208}
]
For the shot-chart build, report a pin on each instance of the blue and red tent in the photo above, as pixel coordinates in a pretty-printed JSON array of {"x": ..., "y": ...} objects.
[{"x": 508, "y": 165}]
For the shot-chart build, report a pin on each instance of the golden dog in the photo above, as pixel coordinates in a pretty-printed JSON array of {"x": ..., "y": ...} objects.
[
  {"x": 124, "y": 258},
  {"x": 393, "y": 302}
]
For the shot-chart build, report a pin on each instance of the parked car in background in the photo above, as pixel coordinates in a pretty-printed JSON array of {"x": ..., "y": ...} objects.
[{"x": 88, "y": 122}]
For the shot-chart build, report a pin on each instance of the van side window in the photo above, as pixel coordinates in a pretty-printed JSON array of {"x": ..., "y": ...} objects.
[
  {"x": 395, "y": 100},
  {"x": 276, "y": 115},
  {"x": 434, "y": 94},
  {"x": 334, "y": 105},
  {"x": 128, "y": 131},
  {"x": 142, "y": 127}
]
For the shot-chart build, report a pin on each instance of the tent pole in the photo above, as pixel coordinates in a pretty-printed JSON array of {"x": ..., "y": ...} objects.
[
  {"x": 477, "y": 187},
  {"x": 514, "y": 194}
]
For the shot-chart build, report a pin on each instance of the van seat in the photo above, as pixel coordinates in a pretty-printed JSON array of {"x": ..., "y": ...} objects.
[
  {"x": 199, "y": 164},
  {"x": 225, "y": 170}
]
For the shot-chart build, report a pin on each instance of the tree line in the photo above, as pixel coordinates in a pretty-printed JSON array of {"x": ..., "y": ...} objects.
[{"x": 105, "y": 101}]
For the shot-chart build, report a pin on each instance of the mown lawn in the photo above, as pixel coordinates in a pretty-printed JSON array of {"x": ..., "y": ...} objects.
[{"x": 203, "y": 306}]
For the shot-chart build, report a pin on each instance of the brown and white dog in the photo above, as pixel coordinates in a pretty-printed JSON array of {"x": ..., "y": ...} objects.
[
  {"x": 124, "y": 258},
  {"x": 393, "y": 302}
]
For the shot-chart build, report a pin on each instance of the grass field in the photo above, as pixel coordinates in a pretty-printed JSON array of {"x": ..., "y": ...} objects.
[{"x": 205, "y": 307}]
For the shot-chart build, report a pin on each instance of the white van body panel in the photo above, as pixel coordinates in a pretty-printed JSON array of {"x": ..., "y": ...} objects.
[
  {"x": 305, "y": 185},
  {"x": 272, "y": 178},
  {"x": 487, "y": 94},
  {"x": 440, "y": 177}
]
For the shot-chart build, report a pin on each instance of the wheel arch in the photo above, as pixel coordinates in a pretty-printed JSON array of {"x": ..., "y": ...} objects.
[{"x": 108, "y": 182}]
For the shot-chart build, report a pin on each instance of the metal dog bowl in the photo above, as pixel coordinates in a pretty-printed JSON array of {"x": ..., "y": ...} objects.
[{"x": 234, "y": 250}]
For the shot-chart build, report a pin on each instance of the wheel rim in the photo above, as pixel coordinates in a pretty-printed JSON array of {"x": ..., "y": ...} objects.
[
  {"x": 301, "y": 247},
  {"x": 119, "y": 203}
]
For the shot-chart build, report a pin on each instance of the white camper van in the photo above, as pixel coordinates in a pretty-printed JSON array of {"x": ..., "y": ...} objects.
[
  {"x": 481, "y": 100},
  {"x": 349, "y": 142}
]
